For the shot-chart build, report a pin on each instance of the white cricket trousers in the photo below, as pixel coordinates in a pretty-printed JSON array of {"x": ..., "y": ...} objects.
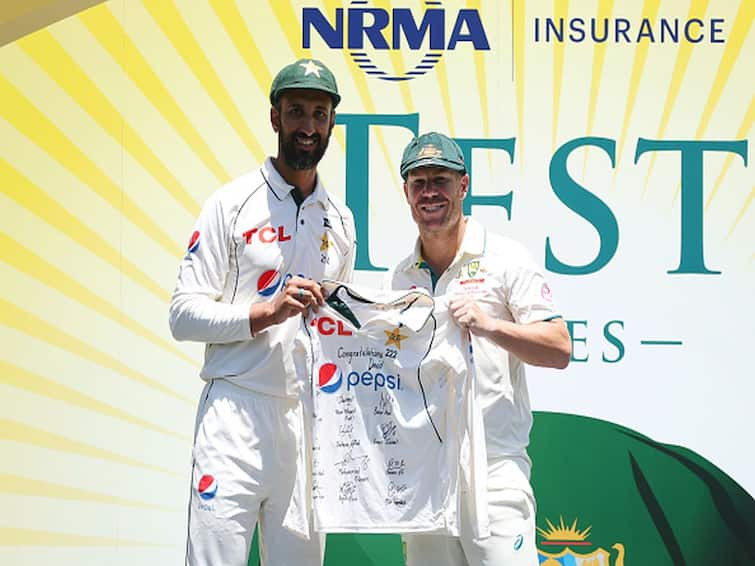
[
  {"x": 511, "y": 513},
  {"x": 245, "y": 455}
]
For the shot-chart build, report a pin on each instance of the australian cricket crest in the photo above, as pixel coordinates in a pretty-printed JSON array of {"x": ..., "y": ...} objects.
[{"x": 470, "y": 270}]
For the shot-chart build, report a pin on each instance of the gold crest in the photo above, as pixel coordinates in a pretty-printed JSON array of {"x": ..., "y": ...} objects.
[
  {"x": 394, "y": 337},
  {"x": 429, "y": 151}
]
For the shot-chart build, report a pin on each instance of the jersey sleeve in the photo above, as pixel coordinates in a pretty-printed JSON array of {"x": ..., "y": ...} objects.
[
  {"x": 196, "y": 309},
  {"x": 528, "y": 293}
]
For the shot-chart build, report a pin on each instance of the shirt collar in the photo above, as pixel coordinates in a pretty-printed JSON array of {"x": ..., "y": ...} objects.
[
  {"x": 472, "y": 244},
  {"x": 474, "y": 238},
  {"x": 281, "y": 189}
]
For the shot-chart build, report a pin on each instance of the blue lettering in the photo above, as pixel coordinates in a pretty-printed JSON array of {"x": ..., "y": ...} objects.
[
  {"x": 372, "y": 22},
  {"x": 550, "y": 27},
  {"x": 594, "y": 32},
  {"x": 688, "y": 34},
  {"x": 476, "y": 32},
  {"x": 376, "y": 381},
  {"x": 666, "y": 29},
  {"x": 715, "y": 30},
  {"x": 352, "y": 380},
  {"x": 622, "y": 27},
  {"x": 367, "y": 379},
  {"x": 646, "y": 30},
  {"x": 432, "y": 20},
  {"x": 577, "y": 27},
  {"x": 332, "y": 35},
  {"x": 358, "y": 28}
]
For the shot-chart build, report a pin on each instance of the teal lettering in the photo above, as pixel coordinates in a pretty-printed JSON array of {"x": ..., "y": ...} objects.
[
  {"x": 692, "y": 258},
  {"x": 467, "y": 145},
  {"x": 614, "y": 340},
  {"x": 570, "y": 324},
  {"x": 358, "y": 171},
  {"x": 585, "y": 204}
]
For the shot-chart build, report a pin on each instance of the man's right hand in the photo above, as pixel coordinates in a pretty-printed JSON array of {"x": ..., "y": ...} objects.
[{"x": 297, "y": 296}]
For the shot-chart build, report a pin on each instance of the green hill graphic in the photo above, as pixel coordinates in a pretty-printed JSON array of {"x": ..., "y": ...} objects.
[{"x": 608, "y": 495}]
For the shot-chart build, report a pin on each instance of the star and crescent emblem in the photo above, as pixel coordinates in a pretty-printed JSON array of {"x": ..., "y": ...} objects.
[{"x": 394, "y": 337}]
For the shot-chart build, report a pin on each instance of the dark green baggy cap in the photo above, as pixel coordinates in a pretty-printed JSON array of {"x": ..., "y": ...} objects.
[
  {"x": 432, "y": 150},
  {"x": 305, "y": 73}
]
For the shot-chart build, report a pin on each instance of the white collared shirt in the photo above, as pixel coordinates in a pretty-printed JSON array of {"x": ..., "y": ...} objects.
[
  {"x": 248, "y": 240},
  {"x": 390, "y": 402},
  {"x": 507, "y": 284}
]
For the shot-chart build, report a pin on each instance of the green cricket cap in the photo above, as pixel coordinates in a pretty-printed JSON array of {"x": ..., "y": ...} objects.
[
  {"x": 305, "y": 73},
  {"x": 432, "y": 150}
]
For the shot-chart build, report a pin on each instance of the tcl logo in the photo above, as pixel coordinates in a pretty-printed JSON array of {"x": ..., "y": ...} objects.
[
  {"x": 267, "y": 235},
  {"x": 327, "y": 326}
]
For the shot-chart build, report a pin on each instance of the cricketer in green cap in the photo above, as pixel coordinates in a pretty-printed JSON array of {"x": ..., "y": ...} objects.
[
  {"x": 501, "y": 301},
  {"x": 432, "y": 149},
  {"x": 435, "y": 183},
  {"x": 230, "y": 294}
]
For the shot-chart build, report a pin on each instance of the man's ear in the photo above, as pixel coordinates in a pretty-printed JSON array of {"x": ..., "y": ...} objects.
[
  {"x": 464, "y": 186},
  {"x": 406, "y": 191},
  {"x": 275, "y": 119}
]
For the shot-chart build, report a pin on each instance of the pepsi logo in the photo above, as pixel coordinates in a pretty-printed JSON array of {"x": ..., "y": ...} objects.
[
  {"x": 329, "y": 378},
  {"x": 207, "y": 487},
  {"x": 268, "y": 283},
  {"x": 194, "y": 242}
]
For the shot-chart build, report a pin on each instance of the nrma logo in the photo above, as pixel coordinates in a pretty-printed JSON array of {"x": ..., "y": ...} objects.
[
  {"x": 371, "y": 33},
  {"x": 330, "y": 379}
]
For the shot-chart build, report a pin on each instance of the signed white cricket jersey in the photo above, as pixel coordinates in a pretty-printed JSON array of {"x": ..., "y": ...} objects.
[{"x": 390, "y": 385}]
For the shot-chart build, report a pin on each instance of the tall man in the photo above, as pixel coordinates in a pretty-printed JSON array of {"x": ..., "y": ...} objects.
[
  {"x": 258, "y": 249},
  {"x": 496, "y": 292}
]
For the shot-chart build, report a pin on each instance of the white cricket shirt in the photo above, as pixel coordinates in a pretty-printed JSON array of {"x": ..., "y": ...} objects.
[
  {"x": 249, "y": 239},
  {"x": 507, "y": 284},
  {"x": 391, "y": 415}
]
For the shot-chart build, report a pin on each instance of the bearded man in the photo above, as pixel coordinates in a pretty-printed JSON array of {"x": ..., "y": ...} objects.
[{"x": 258, "y": 249}]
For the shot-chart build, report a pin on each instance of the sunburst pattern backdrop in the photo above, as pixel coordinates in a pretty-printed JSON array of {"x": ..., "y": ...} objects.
[{"x": 118, "y": 119}]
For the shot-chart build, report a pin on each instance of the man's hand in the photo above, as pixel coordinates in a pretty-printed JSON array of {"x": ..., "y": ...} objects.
[
  {"x": 544, "y": 343},
  {"x": 297, "y": 296},
  {"x": 467, "y": 313}
]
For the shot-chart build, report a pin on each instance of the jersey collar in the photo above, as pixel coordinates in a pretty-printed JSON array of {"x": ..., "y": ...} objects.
[
  {"x": 281, "y": 189},
  {"x": 473, "y": 245}
]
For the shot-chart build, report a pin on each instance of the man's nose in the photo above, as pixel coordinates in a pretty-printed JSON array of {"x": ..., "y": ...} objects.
[
  {"x": 307, "y": 125},
  {"x": 429, "y": 188}
]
